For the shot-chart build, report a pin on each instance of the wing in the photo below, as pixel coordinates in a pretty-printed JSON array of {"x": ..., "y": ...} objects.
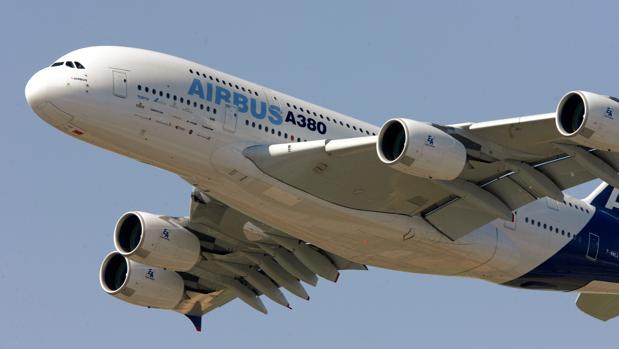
[
  {"x": 245, "y": 259},
  {"x": 510, "y": 163},
  {"x": 601, "y": 306}
]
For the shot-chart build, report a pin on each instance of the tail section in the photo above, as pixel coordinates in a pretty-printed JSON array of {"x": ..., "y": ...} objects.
[{"x": 605, "y": 197}]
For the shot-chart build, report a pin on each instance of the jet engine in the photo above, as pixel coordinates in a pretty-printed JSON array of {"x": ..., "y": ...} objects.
[
  {"x": 156, "y": 240},
  {"x": 589, "y": 119},
  {"x": 140, "y": 284},
  {"x": 420, "y": 149}
]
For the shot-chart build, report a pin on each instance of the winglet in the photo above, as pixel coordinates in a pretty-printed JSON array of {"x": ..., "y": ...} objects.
[{"x": 196, "y": 320}]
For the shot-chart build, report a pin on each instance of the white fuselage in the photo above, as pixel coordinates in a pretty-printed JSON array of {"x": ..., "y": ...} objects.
[{"x": 129, "y": 101}]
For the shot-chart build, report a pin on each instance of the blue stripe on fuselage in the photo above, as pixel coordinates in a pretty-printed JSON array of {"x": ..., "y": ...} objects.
[{"x": 570, "y": 268}]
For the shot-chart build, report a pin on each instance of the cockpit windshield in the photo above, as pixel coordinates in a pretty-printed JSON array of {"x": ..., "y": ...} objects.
[{"x": 69, "y": 64}]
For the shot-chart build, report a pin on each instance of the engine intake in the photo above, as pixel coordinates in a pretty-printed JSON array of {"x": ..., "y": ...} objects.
[
  {"x": 155, "y": 240},
  {"x": 140, "y": 284},
  {"x": 589, "y": 119},
  {"x": 420, "y": 149}
]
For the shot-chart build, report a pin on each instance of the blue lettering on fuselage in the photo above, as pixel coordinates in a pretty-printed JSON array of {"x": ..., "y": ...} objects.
[{"x": 257, "y": 108}]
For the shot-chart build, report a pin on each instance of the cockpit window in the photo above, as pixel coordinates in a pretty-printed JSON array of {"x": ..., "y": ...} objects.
[
  {"x": 79, "y": 65},
  {"x": 69, "y": 64},
  {"x": 57, "y": 64}
]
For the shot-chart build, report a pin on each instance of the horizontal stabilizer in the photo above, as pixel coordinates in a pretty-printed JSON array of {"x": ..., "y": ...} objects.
[{"x": 601, "y": 306}]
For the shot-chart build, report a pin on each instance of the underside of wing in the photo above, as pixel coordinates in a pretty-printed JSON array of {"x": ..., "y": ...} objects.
[
  {"x": 601, "y": 306},
  {"x": 245, "y": 259}
]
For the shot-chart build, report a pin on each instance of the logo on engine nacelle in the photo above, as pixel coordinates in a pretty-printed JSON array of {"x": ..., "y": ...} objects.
[
  {"x": 150, "y": 274},
  {"x": 610, "y": 111},
  {"x": 165, "y": 234},
  {"x": 430, "y": 141}
]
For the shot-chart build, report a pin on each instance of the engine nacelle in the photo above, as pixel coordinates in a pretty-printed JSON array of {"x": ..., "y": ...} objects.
[
  {"x": 140, "y": 284},
  {"x": 150, "y": 239},
  {"x": 590, "y": 119},
  {"x": 420, "y": 149}
]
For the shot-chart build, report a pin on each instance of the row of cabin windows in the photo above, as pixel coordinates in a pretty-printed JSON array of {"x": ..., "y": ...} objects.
[
  {"x": 576, "y": 207},
  {"x": 273, "y": 132},
  {"x": 330, "y": 119},
  {"x": 69, "y": 64},
  {"x": 547, "y": 227},
  {"x": 210, "y": 77},
  {"x": 182, "y": 100},
  {"x": 242, "y": 88}
]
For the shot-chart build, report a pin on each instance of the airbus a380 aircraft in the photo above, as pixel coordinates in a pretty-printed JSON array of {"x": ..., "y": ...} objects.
[{"x": 285, "y": 190}]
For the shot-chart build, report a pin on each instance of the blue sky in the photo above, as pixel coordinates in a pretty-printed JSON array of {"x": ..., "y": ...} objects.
[{"x": 439, "y": 61}]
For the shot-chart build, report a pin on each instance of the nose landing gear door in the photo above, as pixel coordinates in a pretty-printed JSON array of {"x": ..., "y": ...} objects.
[{"x": 119, "y": 84}]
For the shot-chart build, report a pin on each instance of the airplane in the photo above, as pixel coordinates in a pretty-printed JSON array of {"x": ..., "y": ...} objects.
[{"x": 286, "y": 191}]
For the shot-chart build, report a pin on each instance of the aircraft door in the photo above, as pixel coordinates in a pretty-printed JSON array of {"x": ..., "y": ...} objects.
[
  {"x": 594, "y": 247},
  {"x": 271, "y": 99},
  {"x": 119, "y": 83},
  {"x": 230, "y": 119}
]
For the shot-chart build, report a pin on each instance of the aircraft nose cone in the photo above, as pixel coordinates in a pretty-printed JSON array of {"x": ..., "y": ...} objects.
[{"x": 35, "y": 90}]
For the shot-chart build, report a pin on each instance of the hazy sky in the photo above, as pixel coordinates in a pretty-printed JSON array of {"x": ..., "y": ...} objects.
[{"x": 445, "y": 62}]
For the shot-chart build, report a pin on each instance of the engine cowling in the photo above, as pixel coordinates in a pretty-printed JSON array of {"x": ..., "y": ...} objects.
[
  {"x": 140, "y": 284},
  {"x": 420, "y": 149},
  {"x": 150, "y": 239},
  {"x": 589, "y": 119}
]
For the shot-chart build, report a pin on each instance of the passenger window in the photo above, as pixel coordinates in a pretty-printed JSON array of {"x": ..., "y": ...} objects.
[
  {"x": 69, "y": 64},
  {"x": 78, "y": 65}
]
